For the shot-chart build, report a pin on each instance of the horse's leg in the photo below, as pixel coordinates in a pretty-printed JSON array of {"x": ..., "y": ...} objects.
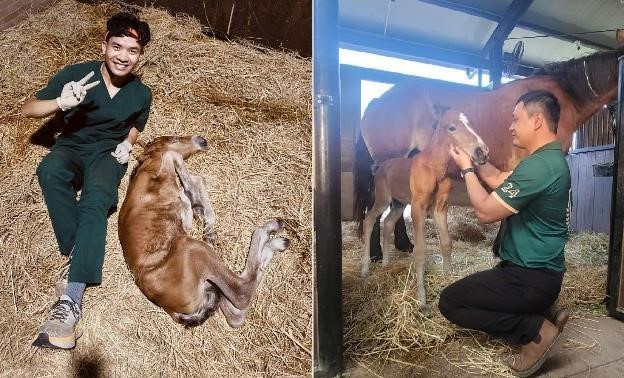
[
  {"x": 203, "y": 209},
  {"x": 420, "y": 202},
  {"x": 396, "y": 213},
  {"x": 236, "y": 316},
  {"x": 369, "y": 222},
  {"x": 375, "y": 240},
  {"x": 401, "y": 240},
  {"x": 195, "y": 190},
  {"x": 239, "y": 289},
  {"x": 440, "y": 211}
]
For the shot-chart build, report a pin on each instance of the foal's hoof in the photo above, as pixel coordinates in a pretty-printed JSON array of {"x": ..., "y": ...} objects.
[
  {"x": 279, "y": 244},
  {"x": 425, "y": 310},
  {"x": 274, "y": 225}
]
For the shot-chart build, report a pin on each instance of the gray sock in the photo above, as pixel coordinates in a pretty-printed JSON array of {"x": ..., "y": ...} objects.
[{"x": 75, "y": 290}]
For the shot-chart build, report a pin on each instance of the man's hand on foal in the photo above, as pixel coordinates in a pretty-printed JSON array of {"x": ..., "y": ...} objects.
[
  {"x": 74, "y": 92},
  {"x": 461, "y": 157},
  {"x": 122, "y": 152}
]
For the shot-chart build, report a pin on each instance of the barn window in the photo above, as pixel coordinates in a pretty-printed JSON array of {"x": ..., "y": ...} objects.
[{"x": 596, "y": 131}]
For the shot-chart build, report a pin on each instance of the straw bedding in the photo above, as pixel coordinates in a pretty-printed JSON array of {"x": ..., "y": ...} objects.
[
  {"x": 384, "y": 333},
  {"x": 253, "y": 107}
]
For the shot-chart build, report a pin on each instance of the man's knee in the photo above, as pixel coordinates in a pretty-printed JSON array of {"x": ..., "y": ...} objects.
[
  {"x": 48, "y": 172},
  {"x": 98, "y": 199},
  {"x": 448, "y": 302}
]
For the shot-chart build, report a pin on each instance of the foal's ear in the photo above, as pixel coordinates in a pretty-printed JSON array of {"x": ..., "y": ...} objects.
[
  {"x": 142, "y": 157},
  {"x": 436, "y": 108},
  {"x": 141, "y": 142}
]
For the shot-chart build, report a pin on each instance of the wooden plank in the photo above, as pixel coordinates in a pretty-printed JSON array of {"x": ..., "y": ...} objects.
[
  {"x": 599, "y": 193},
  {"x": 586, "y": 192},
  {"x": 574, "y": 173},
  {"x": 347, "y": 192},
  {"x": 580, "y": 197}
]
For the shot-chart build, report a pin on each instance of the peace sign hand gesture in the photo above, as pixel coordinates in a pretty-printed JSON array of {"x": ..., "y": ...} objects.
[{"x": 74, "y": 92}]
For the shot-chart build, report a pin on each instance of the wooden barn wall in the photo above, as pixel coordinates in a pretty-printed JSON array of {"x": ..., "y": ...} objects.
[
  {"x": 272, "y": 23},
  {"x": 14, "y": 11},
  {"x": 591, "y": 196}
]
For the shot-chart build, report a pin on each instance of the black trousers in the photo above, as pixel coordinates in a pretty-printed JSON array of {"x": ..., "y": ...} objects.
[{"x": 507, "y": 301}]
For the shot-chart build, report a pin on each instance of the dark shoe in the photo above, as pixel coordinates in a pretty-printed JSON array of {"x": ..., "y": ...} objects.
[
  {"x": 533, "y": 354},
  {"x": 557, "y": 316},
  {"x": 376, "y": 258}
]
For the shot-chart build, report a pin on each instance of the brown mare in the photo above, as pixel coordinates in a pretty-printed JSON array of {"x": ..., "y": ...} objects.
[
  {"x": 183, "y": 275},
  {"x": 427, "y": 185},
  {"x": 399, "y": 122}
]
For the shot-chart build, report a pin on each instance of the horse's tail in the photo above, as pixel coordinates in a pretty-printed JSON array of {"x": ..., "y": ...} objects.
[{"x": 364, "y": 182}]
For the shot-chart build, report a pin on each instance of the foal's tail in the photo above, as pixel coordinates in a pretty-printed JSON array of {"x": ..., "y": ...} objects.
[
  {"x": 364, "y": 182},
  {"x": 205, "y": 310}
]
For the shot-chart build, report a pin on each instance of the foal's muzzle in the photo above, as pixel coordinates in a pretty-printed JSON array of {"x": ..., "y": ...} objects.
[
  {"x": 481, "y": 156},
  {"x": 201, "y": 142}
]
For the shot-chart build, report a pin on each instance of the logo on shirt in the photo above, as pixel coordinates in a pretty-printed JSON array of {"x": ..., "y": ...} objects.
[{"x": 511, "y": 192}]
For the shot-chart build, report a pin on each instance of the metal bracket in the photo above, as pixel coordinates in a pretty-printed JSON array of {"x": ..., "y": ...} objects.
[{"x": 324, "y": 99}]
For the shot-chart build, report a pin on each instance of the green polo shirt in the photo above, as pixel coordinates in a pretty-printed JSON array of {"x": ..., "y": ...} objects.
[
  {"x": 538, "y": 194},
  {"x": 99, "y": 122}
]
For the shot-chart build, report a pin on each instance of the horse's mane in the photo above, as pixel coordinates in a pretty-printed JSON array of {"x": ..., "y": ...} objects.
[{"x": 572, "y": 76}]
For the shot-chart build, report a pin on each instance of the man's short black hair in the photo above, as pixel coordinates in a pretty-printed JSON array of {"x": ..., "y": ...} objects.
[
  {"x": 547, "y": 104},
  {"x": 120, "y": 24}
]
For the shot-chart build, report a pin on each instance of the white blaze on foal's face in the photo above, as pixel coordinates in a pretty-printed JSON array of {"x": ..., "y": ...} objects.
[{"x": 467, "y": 139}]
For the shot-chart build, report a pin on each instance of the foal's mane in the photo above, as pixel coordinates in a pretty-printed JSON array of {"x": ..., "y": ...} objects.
[{"x": 586, "y": 77}]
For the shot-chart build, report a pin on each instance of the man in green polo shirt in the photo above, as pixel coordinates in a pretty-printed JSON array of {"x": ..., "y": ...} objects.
[
  {"x": 103, "y": 107},
  {"x": 510, "y": 300}
]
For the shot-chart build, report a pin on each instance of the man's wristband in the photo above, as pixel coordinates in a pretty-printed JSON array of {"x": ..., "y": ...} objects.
[{"x": 464, "y": 171}]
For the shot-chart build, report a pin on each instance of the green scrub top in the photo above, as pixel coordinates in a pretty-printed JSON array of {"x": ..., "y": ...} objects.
[
  {"x": 538, "y": 195},
  {"x": 99, "y": 123}
]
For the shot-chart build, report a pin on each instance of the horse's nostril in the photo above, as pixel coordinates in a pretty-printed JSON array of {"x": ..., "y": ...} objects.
[{"x": 201, "y": 141}]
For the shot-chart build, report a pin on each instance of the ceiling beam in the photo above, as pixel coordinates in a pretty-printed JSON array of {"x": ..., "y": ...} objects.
[
  {"x": 506, "y": 25},
  {"x": 373, "y": 42},
  {"x": 413, "y": 50},
  {"x": 488, "y": 15}
]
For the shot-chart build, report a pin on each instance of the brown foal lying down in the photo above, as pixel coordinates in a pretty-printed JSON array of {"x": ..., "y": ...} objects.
[{"x": 183, "y": 275}]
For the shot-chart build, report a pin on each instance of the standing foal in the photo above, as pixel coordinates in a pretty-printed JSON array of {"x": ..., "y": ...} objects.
[{"x": 422, "y": 181}]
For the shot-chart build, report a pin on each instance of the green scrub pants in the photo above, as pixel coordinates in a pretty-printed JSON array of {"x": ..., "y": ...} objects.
[{"x": 80, "y": 224}]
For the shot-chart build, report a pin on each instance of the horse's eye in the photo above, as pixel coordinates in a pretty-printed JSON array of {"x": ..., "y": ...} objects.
[{"x": 452, "y": 129}]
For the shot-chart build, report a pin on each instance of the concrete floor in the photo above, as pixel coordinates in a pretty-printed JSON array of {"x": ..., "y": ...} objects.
[
  {"x": 589, "y": 348},
  {"x": 592, "y": 347}
]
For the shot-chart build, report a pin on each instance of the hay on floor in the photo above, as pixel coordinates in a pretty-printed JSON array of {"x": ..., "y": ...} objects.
[
  {"x": 253, "y": 107},
  {"x": 386, "y": 335}
]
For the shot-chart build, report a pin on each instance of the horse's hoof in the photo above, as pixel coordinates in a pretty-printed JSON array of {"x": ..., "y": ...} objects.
[
  {"x": 280, "y": 223},
  {"x": 280, "y": 244},
  {"x": 408, "y": 248},
  {"x": 425, "y": 310}
]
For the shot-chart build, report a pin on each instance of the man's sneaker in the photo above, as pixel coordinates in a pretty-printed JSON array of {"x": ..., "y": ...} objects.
[
  {"x": 59, "y": 331},
  {"x": 61, "y": 284}
]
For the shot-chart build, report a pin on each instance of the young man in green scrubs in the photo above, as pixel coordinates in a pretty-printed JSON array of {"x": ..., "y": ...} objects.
[
  {"x": 510, "y": 300},
  {"x": 104, "y": 107}
]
